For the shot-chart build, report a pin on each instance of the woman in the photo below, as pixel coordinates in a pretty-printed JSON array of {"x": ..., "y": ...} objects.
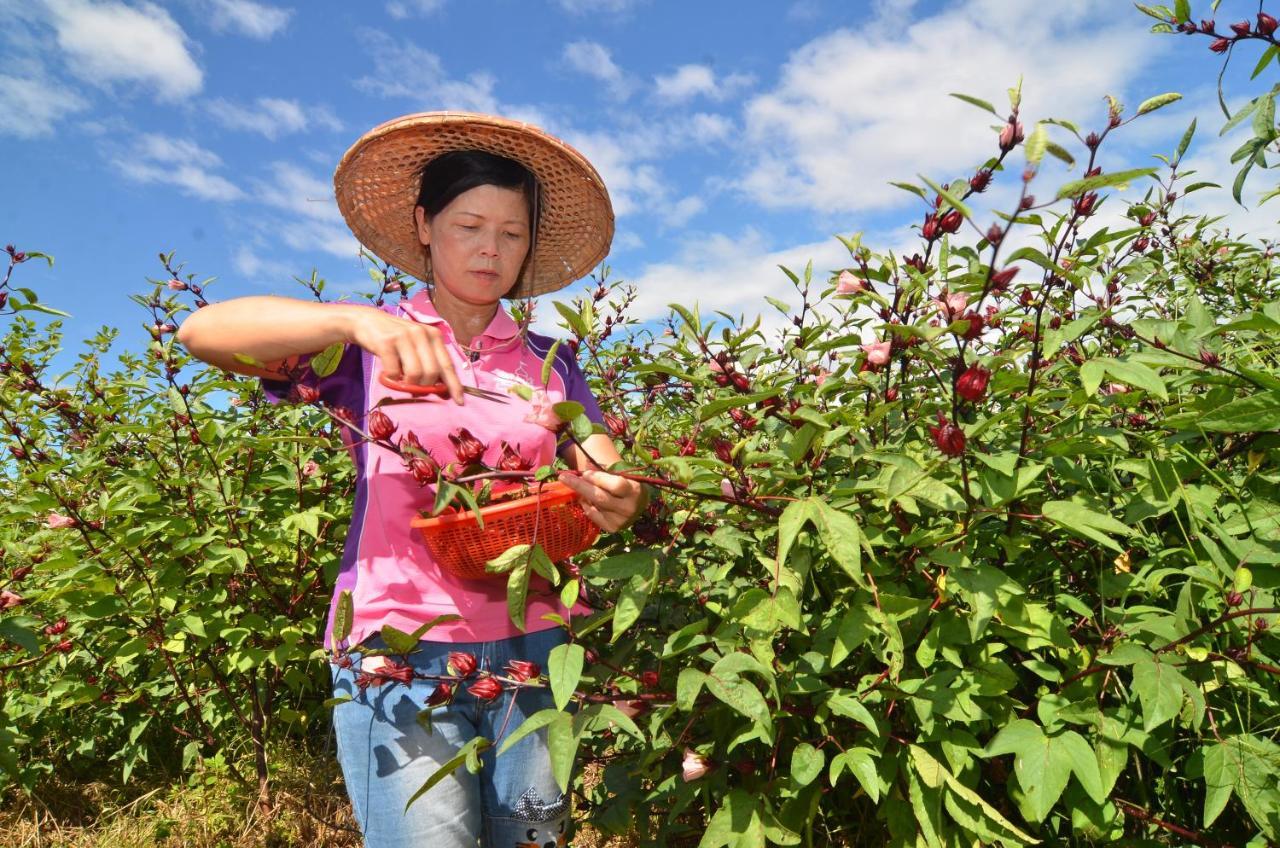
[{"x": 479, "y": 208}]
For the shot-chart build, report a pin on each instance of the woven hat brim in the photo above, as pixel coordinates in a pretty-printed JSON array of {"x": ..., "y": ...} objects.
[{"x": 377, "y": 182}]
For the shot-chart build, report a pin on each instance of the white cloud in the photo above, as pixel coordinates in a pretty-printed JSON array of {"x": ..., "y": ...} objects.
[
  {"x": 689, "y": 81},
  {"x": 597, "y": 7},
  {"x": 401, "y": 9},
  {"x": 309, "y": 235},
  {"x": 30, "y": 107},
  {"x": 854, "y": 109},
  {"x": 299, "y": 192},
  {"x": 403, "y": 69},
  {"x": 177, "y": 162},
  {"x": 682, "y": 211},
  {"x": 249, "y": 264},
  {"x": 107, "y": 43},
  {"x": 272, "y": 116},
  {"x": 594, "y": 60},
  {"x": 732, "y": 274},
  {"x": 256, "y": 20}
]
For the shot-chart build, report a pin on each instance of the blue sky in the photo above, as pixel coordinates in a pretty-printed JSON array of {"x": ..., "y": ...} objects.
[{"x": 733, "y": 136}]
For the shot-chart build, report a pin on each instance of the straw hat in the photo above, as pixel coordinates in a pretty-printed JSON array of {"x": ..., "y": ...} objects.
[{"x": 378, "y": 180}]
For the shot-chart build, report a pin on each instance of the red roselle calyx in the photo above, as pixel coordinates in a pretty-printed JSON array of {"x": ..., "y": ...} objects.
[
  {"x": 523, "y": 670},
  {"x": 649, "y": 679},
  {"x": 306, "y": 394},
  {"x": 20, "y": 573},
  {"x": 1000, "y": 280},
  {"x": 995, "y": 235},
  {"x": 617, "y": 427},
  {"x": 947, "y": 437},
  {"x": 1220, "y": 45},
  {"x": 462, "y": 663},
  {"x": 1241, "y": 28},
  {"x": 930, "y": 229},
  {"x": 972, "y": 384},
  {"x": 1209, "y": 358},
  {"x": 950, "y": 222},
  {"x": 724, "y": 450},
  {"x": 979, "y": 181},
  {"x": 486, "y": 688},
  {"x": 511, "y": 460},
  {"x": 975, "y": 326},
  {"x": 397, "y": 672},
  {"x": 443, "y": 694},
  {"x": 1085, "y": 203},
  {"x": 57, "y": 628},
  {"x": 468, "y": 448},
  {"x": 381, "y": 427},
  {"x": 1266, "y": 23},
  {"x": 425, "y": 469}
]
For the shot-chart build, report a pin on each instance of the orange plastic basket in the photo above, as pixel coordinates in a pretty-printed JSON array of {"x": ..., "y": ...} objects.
[{"x": 552, "y": 517}]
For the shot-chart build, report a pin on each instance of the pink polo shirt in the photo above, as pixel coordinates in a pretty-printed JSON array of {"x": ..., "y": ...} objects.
[{"x": 386, "y": 566}]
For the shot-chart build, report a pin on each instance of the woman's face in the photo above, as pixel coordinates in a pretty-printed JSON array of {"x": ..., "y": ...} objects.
[{"x": 478, "y": 243}]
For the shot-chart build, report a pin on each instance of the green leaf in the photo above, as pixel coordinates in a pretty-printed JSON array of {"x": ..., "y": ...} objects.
[
  {"x": 740, "y": 694},
  {"x": 850, "y": 707},
  {"x": 1245, "y": 765},
  {"x": 564, "y": 667},
  {"x": 562, "y": 746},
  {"x": 326, "y": 361},
  {"x": 1182, "y": 10},
  {"x": 806, "y": 763},
  {"x": 1253, "y": 414},
  {"x": 423, "y": 629},
  {"x": 1158, "y": 686},
  {"x": 342, "y": 617},
  {"x": 1084, "y": 763},
  {"x": 1036, "y": 144},
  {"x": 1185, "y": 142},
  {"x": 1153, "y": 103},
  {"x": 471, "y": 748},
  {"x": 397, "y": 640},
  {"x": 532, "y": 724},
  {"x": 1137, "y": 375},
  {"x": 1118, "y": 179},
  {"x": 914, "y": 189},
  {"x": 1085, "y": 522},
  {"x": 1043, "y": 769},
  {"x": 518, "y": 591},
  {"x": 1091, "y": 374},
  {"x": 547, "y": 362},
  {"x": 950, "y": 198},
  {"x": 974, "y": 101},
  {"x": 631, "y": 602},
  {"x": 926, "y": 763}
]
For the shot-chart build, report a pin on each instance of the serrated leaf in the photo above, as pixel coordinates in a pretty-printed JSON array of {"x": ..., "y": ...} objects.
[
  {"x": 1256, "y": 413},
  {"x": 564, "y": 667},
  {"x": 1153, "y": 103},
  {"x": 326, "y": 361},
  {"x": 1117, "y": 179},
  {"x": 974, "y": 101},
  {"x": 1158, "y": 686}
]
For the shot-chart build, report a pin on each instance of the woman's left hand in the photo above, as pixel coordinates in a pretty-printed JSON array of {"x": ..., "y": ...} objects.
[{"x": 612, "y": 502}]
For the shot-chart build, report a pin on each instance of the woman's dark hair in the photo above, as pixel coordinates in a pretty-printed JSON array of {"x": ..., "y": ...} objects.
[{"x": 451, "y": 174}]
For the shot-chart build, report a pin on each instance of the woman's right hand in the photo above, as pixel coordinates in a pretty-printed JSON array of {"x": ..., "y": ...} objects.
[{"x": 410, "y": 352}]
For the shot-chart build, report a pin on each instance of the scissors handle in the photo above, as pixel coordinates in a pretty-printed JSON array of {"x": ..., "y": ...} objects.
[{"x": 413, "y": 388}]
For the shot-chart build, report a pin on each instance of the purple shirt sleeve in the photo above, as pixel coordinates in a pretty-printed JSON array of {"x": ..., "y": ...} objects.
[{"x": 345, "y": 387}]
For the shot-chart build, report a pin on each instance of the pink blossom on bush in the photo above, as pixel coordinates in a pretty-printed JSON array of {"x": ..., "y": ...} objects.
[
  {"x": 847, "y": 283},
  {"x": 694, "y": 765},
  {"x": 877, "y": 354},
  {"x": 543, "y": 413},
  {"x": 56, "y": 521}
]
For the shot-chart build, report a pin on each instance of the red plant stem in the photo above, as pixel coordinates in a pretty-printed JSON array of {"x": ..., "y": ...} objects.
[
  {"x": 1222, "y": 619},
  {"x": 1131, "y": 809}
]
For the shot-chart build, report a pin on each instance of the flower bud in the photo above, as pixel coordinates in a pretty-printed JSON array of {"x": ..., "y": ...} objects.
[
  {"x": 951, "y": 221},
  {"x": 64, "y": 647},
  {"x": 381, "y": 427},
  {"x": 9, "y": 600},
  {"x": 972, "y": 384},
  {"x": 890, "y": 394},
  {"x": 930, "y": 228},
  {"x": 724, "y": 450},
  {"x": 306, "y": 394},
  {"x": 1220, "y": 45},
  {"x": 979, "y": 181},
  {"x": 1010, "y": 135},
  {"x": 441, "y": 695},
  {"x": 1241, "y": 28},
  {"x": 1266, "y": 23},
  {"x": 20, "y": 573},
  {"x": 467, "y": 447},
  {"x": 1140, "y": 244},
  {"x": 947, "y": 437},
  {"x": 1000, "y": 280},
  {"x": 1207, "y": 26},
  {"x": 486, "y": 688},
  {"x": 1234, "y": 599},
  {"x": 176, "y": 285},
  {"x": 995, "y": 234},
  {"x": 649, "y": 679},
  {"x": 397, "y": 672},
  {"x": 462, "y": 663},
  {"x": 511, "y": 460},
  {"x": 1027, "y": 202},
  {"x": 523, "y": 670},
  {"x": 1085, "y": 203},
  {"x": 616, "y": 426},
  {"x": 694, "y": 766},
  {"x": 1209, "y": 358}
]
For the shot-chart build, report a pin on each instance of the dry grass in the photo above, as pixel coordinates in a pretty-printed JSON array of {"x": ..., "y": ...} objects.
[{"x": 207, "y": 810}]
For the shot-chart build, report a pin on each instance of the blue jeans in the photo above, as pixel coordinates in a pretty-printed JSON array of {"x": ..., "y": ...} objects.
[{"x": 386, "y": 755}]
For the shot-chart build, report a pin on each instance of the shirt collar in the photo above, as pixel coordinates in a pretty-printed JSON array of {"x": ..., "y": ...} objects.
[{"x": 501, "y": 328}]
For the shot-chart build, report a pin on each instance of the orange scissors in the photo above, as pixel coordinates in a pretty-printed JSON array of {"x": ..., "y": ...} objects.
[{"x": 439, "y": 389}]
